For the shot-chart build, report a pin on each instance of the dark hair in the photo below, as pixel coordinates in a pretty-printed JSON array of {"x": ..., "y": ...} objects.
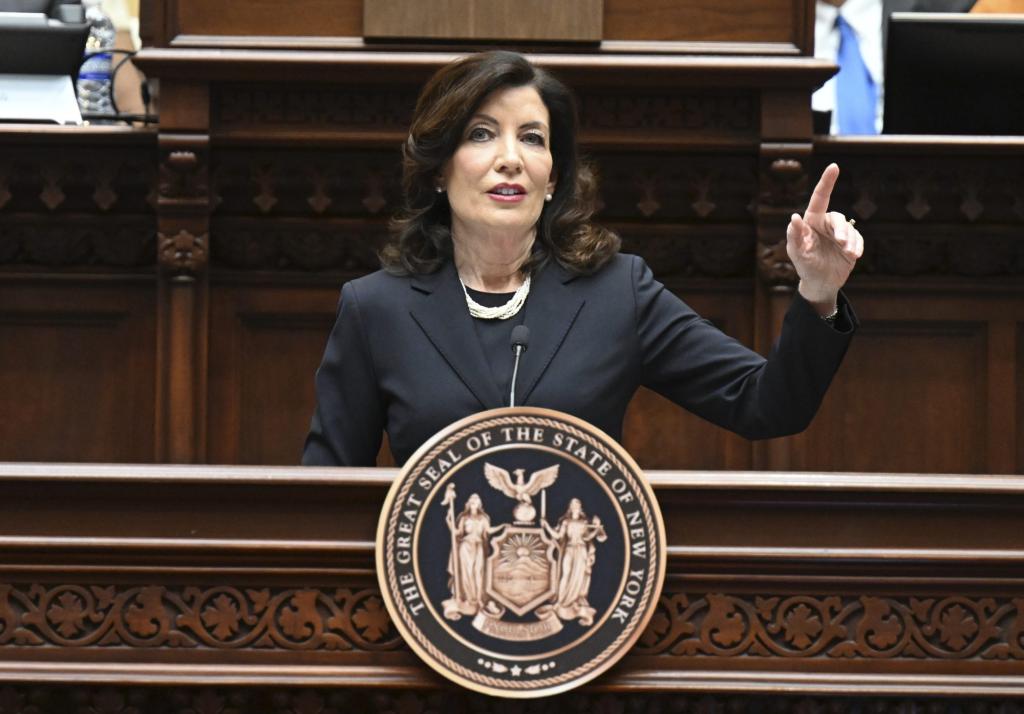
[{"x": 421, "y": 232}]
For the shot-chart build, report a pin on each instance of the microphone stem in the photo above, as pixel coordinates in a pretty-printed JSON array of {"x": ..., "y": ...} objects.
[{"x": 515, "y": 372}]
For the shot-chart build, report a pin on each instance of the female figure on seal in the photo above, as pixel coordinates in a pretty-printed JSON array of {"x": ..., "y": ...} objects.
[
  {"x": 576, "y": 536},
  {"x": 466, "y": 561}
]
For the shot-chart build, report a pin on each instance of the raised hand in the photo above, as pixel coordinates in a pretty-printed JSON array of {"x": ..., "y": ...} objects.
[{"x": 823, "y": 246}]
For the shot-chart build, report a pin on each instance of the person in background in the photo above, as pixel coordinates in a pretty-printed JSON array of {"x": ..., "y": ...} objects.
[{"x": 852, "y": 34}]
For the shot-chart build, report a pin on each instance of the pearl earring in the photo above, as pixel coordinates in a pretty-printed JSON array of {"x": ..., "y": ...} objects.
[
  {"x": 439, "y": 189},
  {"x": 548, "y": 197}
]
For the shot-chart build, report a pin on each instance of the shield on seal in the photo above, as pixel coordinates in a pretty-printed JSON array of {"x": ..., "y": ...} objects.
[{"x": 522, "y": 569}]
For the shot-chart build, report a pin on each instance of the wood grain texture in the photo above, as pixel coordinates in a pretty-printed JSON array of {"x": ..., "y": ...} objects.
[
  {"x": 764, "y": 26},
  {"x": 530, "y": 20},
  {"x": 749, "y": 21},
  {"x": 265, "y": 17},
  {"x": 77, "y": 370},
  {"x": 901, "y": 397},
  {"x": 266, "y": 343}
]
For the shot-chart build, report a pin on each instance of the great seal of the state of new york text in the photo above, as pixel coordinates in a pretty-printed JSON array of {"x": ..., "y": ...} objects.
[{"x": 521, "y": 552}]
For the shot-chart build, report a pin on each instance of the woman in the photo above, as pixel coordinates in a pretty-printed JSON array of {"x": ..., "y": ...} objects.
[
  {"x": 575, "y": 537},
  {"x": 496, "y": 232}
]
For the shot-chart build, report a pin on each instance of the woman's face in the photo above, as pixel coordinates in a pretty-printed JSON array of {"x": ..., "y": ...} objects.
[
  {"x": 575, "y": 507},
  {"x": 498, "y": 176},
  {"x": 473, "y": 503}
]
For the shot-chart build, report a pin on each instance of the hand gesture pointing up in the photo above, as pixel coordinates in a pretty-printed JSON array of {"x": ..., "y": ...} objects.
[{"x": 823, "y": 246}]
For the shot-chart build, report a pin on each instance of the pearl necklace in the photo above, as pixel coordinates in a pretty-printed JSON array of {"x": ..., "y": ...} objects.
[{"x": 501, "y": 312}]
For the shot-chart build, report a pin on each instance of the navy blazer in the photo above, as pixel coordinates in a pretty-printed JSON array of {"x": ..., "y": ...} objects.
[{"x": 404, "y": 357}]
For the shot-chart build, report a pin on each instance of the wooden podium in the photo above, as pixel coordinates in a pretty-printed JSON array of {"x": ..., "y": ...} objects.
[
  {"x": 256, "y": 587},
  {"x": 166, "y": 294}
]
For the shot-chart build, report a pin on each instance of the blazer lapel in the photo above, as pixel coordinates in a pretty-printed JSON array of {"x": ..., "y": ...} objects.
[
  {"x": 446, "y": 321},
  {"x": 551, "y": 310}
]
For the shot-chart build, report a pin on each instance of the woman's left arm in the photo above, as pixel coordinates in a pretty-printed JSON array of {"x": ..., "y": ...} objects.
[{"x": 691, "y": 362}]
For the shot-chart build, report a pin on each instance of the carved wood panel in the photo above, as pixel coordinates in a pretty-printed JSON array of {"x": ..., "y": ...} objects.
[
  {"x": 768, "y": 21},
  {"x": 747, "y": 629},
  {"x": 365, "y": 114},
  {"x": 468, "y": 20},
  {"x": 331, "y": 18},
  {"x": 265, "y": 345},
  {"x": 77, "y": 369},
  {"x": 934, "y": 385},
  {"x": 911, "y": 396}
]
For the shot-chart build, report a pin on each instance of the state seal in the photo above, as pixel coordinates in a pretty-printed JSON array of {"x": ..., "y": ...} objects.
[{"x": 521, "y": 552}]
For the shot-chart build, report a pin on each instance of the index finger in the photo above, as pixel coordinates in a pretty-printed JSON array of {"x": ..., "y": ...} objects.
[{"x": 823, "y": 191}]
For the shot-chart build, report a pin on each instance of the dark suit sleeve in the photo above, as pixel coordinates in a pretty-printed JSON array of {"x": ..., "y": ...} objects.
[
  {"x": 689, "y": 361},
  {"x": 349, "y": 417}
]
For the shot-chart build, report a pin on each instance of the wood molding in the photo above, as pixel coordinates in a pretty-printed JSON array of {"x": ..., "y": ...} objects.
[
  {"x": 265, "y": 577},
  {"x": 529, "y": 20},
  {"x": 229, "y": 65}
]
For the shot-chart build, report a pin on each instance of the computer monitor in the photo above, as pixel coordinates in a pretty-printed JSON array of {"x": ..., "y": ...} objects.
[
  {"x": 954, "y": 74},
  {"x": 41, "y": 37}
]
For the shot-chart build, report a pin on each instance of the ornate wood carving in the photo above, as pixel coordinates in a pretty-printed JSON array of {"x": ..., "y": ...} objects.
[
  {"x": 974, "y": 204},
  {"x": 694, "y": 252},
  {"x": 927, "y": 627},
  {"x": 43, "y": 180},
  {"x": 700, "y": 112},
  {"x": 881, "y": 184},
  {"x": 664, "y": 188},
  {"x": 350, "y": 183},
  {"x": 52, "y": 195},
  {"x": 183, "y": 203},
  {"x": 335, "y": 110},
  {"x": 968, "y": 251},
  {"x": 221, "y": 617},
  {"x": 312, "y": 107},
  {"x": 183, "y": 252},
  {"x": 784, "y": 187},
  {"x": 184, "y": 176},
  {"x": 311, "y": 244},
  {"x": 183, "y": 224},
  {"x": 121, "y": 241},
  {"x": 105, "y": 196}
]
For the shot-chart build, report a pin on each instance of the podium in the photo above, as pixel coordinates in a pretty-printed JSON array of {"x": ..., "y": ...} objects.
[
  {"x": 166, "y": 297},
  {"x": 256, "y": 587}
]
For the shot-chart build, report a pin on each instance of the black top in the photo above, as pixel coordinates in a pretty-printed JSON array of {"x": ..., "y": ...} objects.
[
  {"x": 496, "y": 337},
  {"x": 406, "y": 356}
]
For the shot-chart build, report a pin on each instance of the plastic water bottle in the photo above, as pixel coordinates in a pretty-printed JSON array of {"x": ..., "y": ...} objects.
[{"x": 94, "y": 82}]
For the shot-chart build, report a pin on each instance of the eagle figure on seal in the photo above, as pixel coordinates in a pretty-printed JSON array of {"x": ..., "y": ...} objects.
[{"x": 520, "y": 489}]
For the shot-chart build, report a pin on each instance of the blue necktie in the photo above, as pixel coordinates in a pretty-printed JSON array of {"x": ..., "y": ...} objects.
[{"x": 856, "y": 93}]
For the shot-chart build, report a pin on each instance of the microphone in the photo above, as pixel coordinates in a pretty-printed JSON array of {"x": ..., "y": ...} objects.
[{"x": 520, "y": 342}]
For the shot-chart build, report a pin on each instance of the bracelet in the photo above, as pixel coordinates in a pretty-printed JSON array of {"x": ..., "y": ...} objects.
[{"x": 832, "y": 316}]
